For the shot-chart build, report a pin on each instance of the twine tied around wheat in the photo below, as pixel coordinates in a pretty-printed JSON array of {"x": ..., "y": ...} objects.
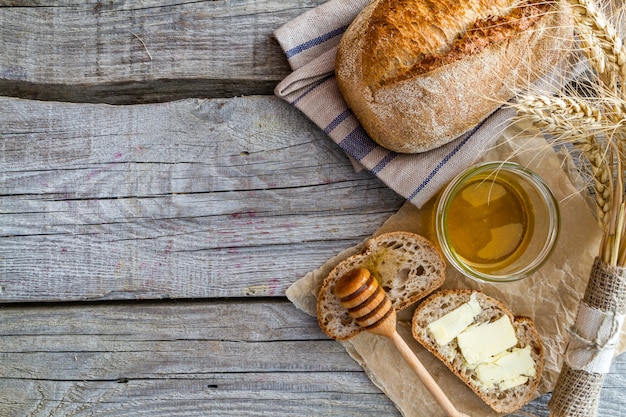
[{"x": 590, "y": 114}]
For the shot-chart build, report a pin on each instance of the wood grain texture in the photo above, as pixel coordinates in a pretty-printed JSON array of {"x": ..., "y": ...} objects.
[
  {"x": 142, "y": 51},
  {"x": 219, "y": 198},
  {"x": 188, "y": 199},
  {"x": 188, "y": 359},
  {"x": 178, "y": 358}
]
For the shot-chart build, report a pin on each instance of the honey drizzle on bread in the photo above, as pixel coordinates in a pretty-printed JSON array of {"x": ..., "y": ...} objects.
[{"x": 407, "y": 267}]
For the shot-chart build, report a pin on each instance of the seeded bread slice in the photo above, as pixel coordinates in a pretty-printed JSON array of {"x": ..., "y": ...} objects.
[
  {"x": 407, "y": 266},
  {"x": 441, "y": 303}
]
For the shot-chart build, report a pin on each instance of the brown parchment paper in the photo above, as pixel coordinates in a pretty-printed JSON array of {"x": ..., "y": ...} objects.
[{"x": 550, "y": 297}]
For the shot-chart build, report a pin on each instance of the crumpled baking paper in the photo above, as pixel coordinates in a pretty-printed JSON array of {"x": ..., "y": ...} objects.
[{"x": 550, "y": 296}]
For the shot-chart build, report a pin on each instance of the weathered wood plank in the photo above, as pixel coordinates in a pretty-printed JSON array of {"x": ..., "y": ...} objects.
[
  {"x": 198, "y": 358},
  {"x": 248, "y": 394},
  {"x": 216, "y": 198},
  {"x": 188, "y": 199},
  {"x": 189, "y": 146},
  {"x": 217, "y": 358},
  {"x": 226, "y": 320},
  {"x": 139, "y": 51}
]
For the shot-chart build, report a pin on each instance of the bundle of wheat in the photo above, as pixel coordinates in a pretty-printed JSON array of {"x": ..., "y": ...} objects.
[{"x": 590, "y": 113}]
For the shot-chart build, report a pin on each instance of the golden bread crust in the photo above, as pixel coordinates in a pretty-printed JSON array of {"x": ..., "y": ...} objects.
[
  {"x": 401, "y": 35},
  {"x": 424, "y": 104}
]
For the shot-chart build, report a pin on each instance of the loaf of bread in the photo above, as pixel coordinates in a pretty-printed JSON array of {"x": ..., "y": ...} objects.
[
  {"x": 418, "y": 74},
  {"x": 500, "y": 397},
  {"x": 407, "y": 266}
]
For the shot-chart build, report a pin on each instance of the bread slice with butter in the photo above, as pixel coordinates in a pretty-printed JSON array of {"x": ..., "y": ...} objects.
[
  {"x": 406, "y": 265},
  {"x": 499, "y": 356}
]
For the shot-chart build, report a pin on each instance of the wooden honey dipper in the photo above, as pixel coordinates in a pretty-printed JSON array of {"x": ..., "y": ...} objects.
[{"x": 366, "y": 302}]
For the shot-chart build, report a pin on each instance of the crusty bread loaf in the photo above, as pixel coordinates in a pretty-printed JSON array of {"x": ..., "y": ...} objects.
[
  {"x": 407, "y": 266},
  {"x": 443, "y": 302},
  {"x": 419, "y": 73}
]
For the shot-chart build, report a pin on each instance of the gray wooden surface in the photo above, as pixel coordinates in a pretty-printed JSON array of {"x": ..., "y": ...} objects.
[{"x": 155, "y": 202}]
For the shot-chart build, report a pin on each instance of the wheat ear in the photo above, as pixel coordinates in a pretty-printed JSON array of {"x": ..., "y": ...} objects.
[
  {"x": 560, "y": 115},
  {"x": 572, "y": 120},
  {"x": 602, "y": 178},
  {"x": 602, "y": 45}
]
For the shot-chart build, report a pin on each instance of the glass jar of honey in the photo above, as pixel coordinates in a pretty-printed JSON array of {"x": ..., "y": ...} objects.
[{"x": 497, "y": 222}]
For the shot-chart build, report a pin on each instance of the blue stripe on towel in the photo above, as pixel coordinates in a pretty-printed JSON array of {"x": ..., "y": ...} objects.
[
  {"x": 337, "y": 121},
  {"x": 445, "y": 160},
  {"x": 384, "y": 162},
  {"x": 315, "y": 41},
  {"x": 357, "y": 144},
  {"x": 311, "y": 88}
]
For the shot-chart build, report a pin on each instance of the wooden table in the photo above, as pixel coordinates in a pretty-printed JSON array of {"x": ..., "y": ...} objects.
[{"x": 156, "y": 200}]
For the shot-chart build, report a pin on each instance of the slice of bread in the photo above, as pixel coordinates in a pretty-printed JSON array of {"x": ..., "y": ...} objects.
[
  {"x": 407, "y": 266},
  {"x": 443, "y": 302}
]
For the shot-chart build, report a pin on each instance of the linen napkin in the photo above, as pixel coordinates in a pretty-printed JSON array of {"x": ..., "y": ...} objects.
[{"x": 310, "y": 44}]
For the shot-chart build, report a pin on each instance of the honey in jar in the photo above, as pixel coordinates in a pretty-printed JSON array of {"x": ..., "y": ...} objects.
[
  {"x": 489, "y": 222},
  {"x": 497, "y": 222}
]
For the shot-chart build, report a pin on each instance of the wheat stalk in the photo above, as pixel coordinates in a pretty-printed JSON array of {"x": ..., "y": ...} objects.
[
  {"x": 570, "y": 119},
  {"x": 593, "y": 121},
  {"x": 602, "y": 178},
  {"x": 602, "y": 45},
  {"x": 560, "y": 114},
  {"x": 607, "y": 55}
]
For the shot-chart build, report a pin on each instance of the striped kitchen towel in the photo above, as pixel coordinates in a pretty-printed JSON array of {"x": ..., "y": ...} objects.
[{"x": 310, "y": 43}]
